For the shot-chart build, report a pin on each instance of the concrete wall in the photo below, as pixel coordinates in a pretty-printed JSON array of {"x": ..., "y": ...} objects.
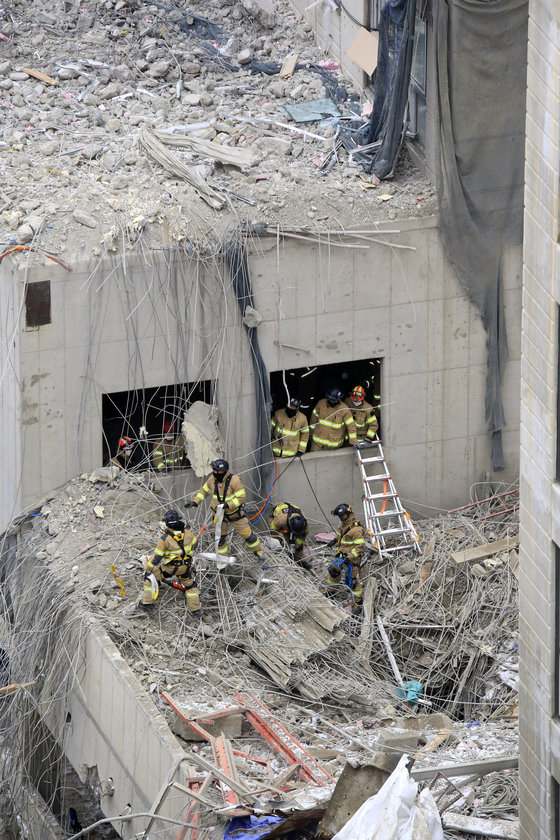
[
  {"x": 13, "y": 436},
  {"x": 178, "y": 321},
  {"x": 119, "y": 731},
  {"x": 540, "y": 493}
]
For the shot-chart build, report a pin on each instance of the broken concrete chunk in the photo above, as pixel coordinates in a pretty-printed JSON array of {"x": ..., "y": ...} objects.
[
  {"x": 245, "y": 56},
  {"x": 84, "y": 218}
]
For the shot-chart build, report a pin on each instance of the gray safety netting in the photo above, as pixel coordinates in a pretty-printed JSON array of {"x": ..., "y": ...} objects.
[{"x": 481, "y": 68}]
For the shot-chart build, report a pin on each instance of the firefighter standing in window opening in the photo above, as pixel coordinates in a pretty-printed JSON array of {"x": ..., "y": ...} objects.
[
  {"x": 227, "y": 489},
  {"x": 173, "y": 558},
  {"x": 289, "y": 430},
  {"x": 363, "y": 414},
  {"x": 125, "y": 458},
  {"x": 350, "y": 545},
  {"x": 168, "y": 452},
  {"x": 331, "y": 422},
  {"x": 290, "y": 521}
]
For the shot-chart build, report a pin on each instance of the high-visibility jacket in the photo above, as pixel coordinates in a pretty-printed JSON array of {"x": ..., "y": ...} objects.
[
  {"x": 174, "y": 547},
  {"x": 289, "y": 434},
  {"x": 168, "y": 454},
  {"x": 229, "y": 492},
  {"x": 280, "y": 522},
  {"x": 364, "y": 418},
  {"x": 350, "y": 540},
  {"x": 329, "y": 425}
]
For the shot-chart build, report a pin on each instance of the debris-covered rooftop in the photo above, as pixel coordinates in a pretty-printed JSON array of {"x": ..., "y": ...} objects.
[{"x": 119, "y": 114}]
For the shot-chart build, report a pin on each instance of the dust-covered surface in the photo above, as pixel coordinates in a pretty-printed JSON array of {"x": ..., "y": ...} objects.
[
  {"x": 452, "y": 627},
  {"x": 76, "y": 177}
]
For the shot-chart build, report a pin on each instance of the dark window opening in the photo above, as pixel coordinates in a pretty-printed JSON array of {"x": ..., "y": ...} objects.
[
  {"x": 37, "y": 304},
  {"x": 159, "y": 411},
  {"x": 556, "y": 807},
  {"x": 310, "y": 383}
]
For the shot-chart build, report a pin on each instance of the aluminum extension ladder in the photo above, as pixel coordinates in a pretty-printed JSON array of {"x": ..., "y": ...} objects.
[{"x": 388, "y": 524}]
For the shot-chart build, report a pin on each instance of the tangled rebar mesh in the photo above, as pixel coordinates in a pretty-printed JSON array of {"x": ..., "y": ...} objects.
[{"x": 41, "y": 634}]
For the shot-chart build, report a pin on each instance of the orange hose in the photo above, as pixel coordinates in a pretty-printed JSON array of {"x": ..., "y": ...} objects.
[{"x": 269, "y": 495}]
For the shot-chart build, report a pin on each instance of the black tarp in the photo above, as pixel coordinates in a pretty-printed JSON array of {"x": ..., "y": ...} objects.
[{"x": 481, "y": 59}]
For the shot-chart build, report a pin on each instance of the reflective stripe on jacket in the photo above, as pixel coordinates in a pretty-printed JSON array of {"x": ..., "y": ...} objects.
[
  {"x": 364, "y": 418},
  {"x": 351, "y": 540},
  {"x": 329, "y": 425},
  {"x": 169, "y": 549},
  {"x": 168, "y": 453},
  {"x": 280, "y": 521},
  {"x": 234, "y": 494},
  {"x": 289, "y": 434}
]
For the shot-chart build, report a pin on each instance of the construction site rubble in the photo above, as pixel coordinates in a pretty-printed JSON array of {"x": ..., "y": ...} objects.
[
  {"x": 124, "y": 117},
  {"x": 292, "y": 709}
]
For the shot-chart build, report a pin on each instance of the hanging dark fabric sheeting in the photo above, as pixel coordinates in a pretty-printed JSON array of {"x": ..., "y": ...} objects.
[
  {"x": 392, "y": 78},
  {"x": 235, "y": 254},
  {"x": 481, "y": 59}
]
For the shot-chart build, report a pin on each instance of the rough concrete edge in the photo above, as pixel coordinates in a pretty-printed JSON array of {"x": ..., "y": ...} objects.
[{"x": 39, "y": 818}]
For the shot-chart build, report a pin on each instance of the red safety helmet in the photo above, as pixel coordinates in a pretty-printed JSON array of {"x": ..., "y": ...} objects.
[
  {"x": 125, "y": 443},
  {"x": 169, "y": 426},
  {"x": 358, "y": 394}
]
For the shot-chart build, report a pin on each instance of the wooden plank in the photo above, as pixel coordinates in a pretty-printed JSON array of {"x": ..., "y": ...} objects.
[
  {"x": 479, "y": 552},
  {"x": 500, "y": 829},
  {"x": 41, "y": 76},
  {"x": 289, "y": 65},
  {"x": 467, "y": 768}
]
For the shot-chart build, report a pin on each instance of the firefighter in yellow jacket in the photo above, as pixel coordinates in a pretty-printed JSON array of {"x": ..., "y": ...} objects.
[
  {"x": 289, "y": 430},
  {"x": 173, "y": 558},
  {"x": 290, "y": 521},
  {"x": 168, "y": 452},
  {"x": 227, "y": 489},
  {"x": 350, "y": 545},
  {"x": 331, "y": 421},
  {"x": 363, "y": 414}
]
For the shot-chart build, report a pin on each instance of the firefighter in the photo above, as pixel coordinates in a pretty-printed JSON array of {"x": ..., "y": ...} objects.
[
  {"x": 363, "y": 414},
  {"x": 289, "y": 430},
  {"x": 350, "y": 545},
  {"x": 168, "y": 453},
  {"x": 289, "y": 520},
  {"x": 331, "y": 422},
  {"x": 227, "y": 489},
  {"x": 173, "y": 557},
  {"x": 125, "y": 457}
]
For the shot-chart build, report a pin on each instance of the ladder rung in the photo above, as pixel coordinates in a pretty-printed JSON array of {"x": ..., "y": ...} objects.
[
  {"x": 369, "y": 498},
  {"x": 372, "y": 460},
  {"x": 381, "y": 477},
  {"x": 382, "y": 533}
]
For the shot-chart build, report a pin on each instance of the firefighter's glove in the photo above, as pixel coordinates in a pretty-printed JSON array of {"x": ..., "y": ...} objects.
[
  {"x": 298, "y": 454},
  {"x": 190, "y": 504},
  {"x": 147, "y": 575},
  {"x": 331, "y": 543},
  {"x": 337, "y": 565}
]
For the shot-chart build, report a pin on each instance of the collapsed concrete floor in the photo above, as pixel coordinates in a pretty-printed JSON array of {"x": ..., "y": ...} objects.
[{"x": 450, "y": 619}]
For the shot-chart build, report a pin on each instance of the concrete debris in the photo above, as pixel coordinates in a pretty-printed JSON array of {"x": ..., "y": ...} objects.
[
  {"x": 288, "y": 663},
  {"x": 73, "y": 122},
  {"x": 203, "y": 438}
]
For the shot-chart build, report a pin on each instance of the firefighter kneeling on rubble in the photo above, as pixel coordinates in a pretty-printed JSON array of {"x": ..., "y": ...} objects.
[
  {"x": 173, "y": 557},
  {"x": 350, "y": 544},
  {"x": 227, "y": 489},
  {"x": 290, "y": 521}
]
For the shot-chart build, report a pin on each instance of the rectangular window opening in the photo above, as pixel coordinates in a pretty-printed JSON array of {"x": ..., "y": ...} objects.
[
  {"x": 160, "y": 412},
  {"x": 557, "y": 392},
  {"x": 37, "y": 304},
  {"x": 310, "y": 383}
]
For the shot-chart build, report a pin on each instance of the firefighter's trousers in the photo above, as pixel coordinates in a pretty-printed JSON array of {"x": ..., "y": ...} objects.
[
  {"x": 347, "y": 577},
  {"x": 183, "y": 573},
  {"x": 244, "y": 530}
]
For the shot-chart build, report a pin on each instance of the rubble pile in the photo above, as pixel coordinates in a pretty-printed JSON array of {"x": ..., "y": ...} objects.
[
  {"x": 122, "y": 117},
  {"x": 272, "y": 649}
]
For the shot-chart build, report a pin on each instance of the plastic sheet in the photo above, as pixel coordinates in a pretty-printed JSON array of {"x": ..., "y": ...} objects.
[
  {"x": 249, "y": 828},
  {"x": 396, "y": 812}
]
